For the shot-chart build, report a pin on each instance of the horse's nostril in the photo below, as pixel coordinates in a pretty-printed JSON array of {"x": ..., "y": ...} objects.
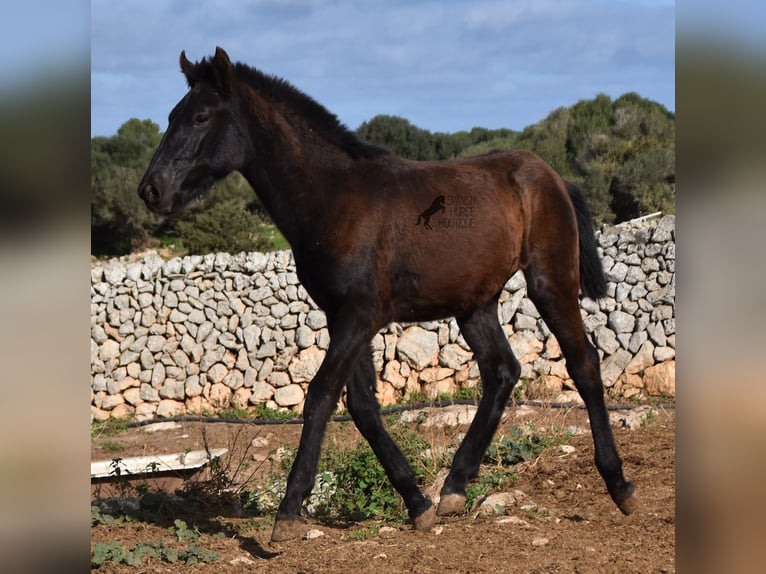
[{"x": 150, "y": 194}]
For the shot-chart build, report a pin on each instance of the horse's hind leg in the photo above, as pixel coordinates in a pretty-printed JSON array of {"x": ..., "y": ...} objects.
[
  {"x": 364, "y": 409},
  {"x": 554, "y": 291},
  {"x": 499, "y": 373}
]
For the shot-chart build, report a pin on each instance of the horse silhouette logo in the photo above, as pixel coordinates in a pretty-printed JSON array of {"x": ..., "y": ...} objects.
[{"x": 434, "y": 208}]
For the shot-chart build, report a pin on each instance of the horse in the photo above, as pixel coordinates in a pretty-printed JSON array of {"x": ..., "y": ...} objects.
[
  {"x": 433, "y": 209},
  {"x": 346, "y": 208}
]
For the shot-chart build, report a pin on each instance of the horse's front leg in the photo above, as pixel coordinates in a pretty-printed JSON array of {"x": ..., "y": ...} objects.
[{"x": 348, "y": 341}]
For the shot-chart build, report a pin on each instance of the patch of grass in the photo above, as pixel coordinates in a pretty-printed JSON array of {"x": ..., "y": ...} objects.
[
  {"x": 236, "y": 414},
  {"x": 364, "y": 533},
  {"x": 263, "y": 412},
  {"x": 107, "y": 428},
  {"x": 111, "y": 446}
]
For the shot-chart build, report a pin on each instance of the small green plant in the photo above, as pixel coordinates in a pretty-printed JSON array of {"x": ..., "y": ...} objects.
[
  {"x": 182, "y": 531},
  {"x": 519, "y": 445},
  {"x": 115, "y": 552},
  {"x": 469, "y": 393},
  {"x": 99, "y": 516},
  {"x": 519, "y": 391},
  {"x": 361, "y": 489}
]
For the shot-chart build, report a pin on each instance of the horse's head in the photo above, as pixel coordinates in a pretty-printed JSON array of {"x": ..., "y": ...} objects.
[{"x": 204, "y": 141}]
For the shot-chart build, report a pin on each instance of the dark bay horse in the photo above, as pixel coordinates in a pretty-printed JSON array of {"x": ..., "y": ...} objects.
[{"x": 348, "y": 210}]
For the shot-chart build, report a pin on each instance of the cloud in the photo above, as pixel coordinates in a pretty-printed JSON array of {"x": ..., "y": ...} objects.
[{"x": 450, "y": 64}]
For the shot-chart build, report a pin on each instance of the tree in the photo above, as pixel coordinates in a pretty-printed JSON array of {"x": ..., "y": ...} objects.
[{"x": 120, "y": 222}]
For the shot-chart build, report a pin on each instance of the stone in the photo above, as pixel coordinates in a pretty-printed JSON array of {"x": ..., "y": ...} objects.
[
  {"x": 217, "y": 373},
  {"x": 133, "y": 396},
  {"x": 122, "y": 411},
  {"x": 526, "y": 346},
  {"x": 614, "y": 365},
  {"x": 172, "y": 389},
  {"x": 621, "y": 322},
  {"x": 240, "y": 398},
  {"x": 109, "y": 350},
  {"x": 192, "y": 386},
  {"x": 170, "y": 408},
  {"x": 145, "y": 411},
  {"x": 392, "y": 374},
  {"x": 234, "y": 380},
  {"x": 385, "y": 393},
  {"x": 418, "y": 347},
  {"x": 453, "y": 415},
  {"x": 496, "y": 503},
  {"x": 643, "y": 359},
  {"x": 305, "y": 364},
  {"x": 634, "y": 418},
  {"x": 279, "y": 379},
  {"x": 661, "y": 379},
  {"x": 289, "y": 396},
  {"x": 662, "y": 354},
  {"x": 262, "y": 392},
  {"x": 148, "y": 393},
  {"x": 220, "y": 396},
  {"x": 606, "y": 340},
  {"x": 111, "y": 401},
  {"x": 158, "y": 375},
  {"x": 454, "y": 356},
  {"x": 304, "y": 337}
]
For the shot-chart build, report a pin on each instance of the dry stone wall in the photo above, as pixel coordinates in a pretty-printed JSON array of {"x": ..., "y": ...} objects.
[{"x": 200, "y": 334}]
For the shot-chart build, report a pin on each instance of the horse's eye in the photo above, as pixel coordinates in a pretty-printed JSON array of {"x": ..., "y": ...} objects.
[{"x": 201, "y": 119}]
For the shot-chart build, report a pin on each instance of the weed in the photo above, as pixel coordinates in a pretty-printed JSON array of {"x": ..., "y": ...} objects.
[
  {"x": 360, "y": 488},
  {"x": 226, "y": 478}
]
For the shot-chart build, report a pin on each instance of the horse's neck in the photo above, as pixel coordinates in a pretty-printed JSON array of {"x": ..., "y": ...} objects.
[{"x": 287, "y": 172}]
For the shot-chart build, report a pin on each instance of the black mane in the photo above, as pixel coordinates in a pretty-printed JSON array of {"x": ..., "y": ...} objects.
[{"x": 276, "y": 88}]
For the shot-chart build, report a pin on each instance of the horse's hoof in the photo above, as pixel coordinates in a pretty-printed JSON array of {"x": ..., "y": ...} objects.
[
  {"x": 629, "y": 505},
  {"x": 451, "y": 504},
  {"x": 288, "y": 529},
  {"x": 425, "y": 520}
]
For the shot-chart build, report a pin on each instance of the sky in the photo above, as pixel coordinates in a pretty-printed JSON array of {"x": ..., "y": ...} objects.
[{"x": 445, "y": 65}]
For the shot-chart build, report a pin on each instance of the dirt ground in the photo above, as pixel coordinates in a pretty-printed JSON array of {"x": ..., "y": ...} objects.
[{"x": 574, "y": 526}]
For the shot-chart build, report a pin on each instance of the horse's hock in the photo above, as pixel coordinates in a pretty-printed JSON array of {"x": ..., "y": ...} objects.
[{"x": 199, "y": 334}]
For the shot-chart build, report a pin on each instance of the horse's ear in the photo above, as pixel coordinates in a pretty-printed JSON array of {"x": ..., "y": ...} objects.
[
  {"x": 224, "y": 72},
  {"x": 187, "y": 68}
]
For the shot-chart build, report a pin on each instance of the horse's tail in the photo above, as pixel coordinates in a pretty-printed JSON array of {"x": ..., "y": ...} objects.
[{"x": 592, "y": 279}]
